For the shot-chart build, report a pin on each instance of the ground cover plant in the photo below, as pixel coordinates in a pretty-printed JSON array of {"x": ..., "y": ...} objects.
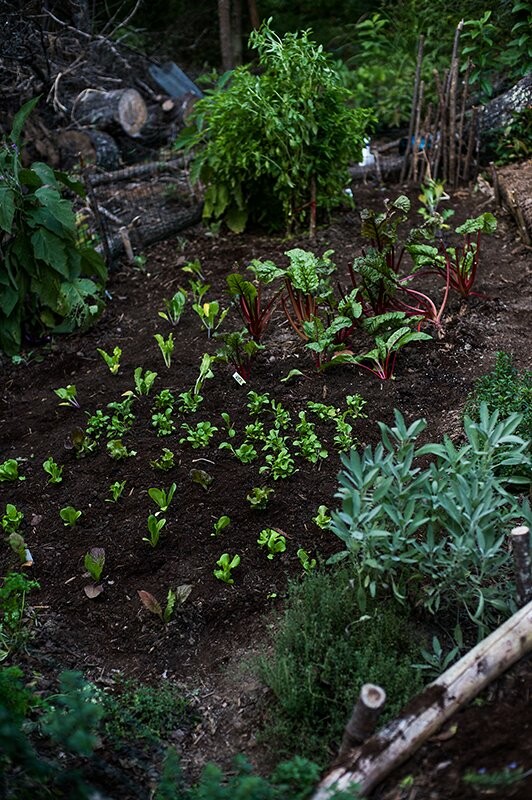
[{"x": 298, "y": 419}]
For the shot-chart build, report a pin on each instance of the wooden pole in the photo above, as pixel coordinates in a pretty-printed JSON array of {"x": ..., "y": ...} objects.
[
  {"x": 417, "y": 138},
  {"x": 363, "y": 720},
  {"x": 465, "y": 92},
  {"x": 422, "y": 717},
  {"x": 520, "y": 539},
  {"x": 453, "y": 83},
  {"x": 414, "y": 106}
]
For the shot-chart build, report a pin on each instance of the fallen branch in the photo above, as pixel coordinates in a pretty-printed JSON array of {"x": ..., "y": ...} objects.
[
  {"x": 395, "y": 743},
  {"x": 142, "y": 236},
  {"x": 135, "y": 171}
]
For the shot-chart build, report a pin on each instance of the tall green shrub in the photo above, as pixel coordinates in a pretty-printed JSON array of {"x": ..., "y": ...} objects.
[
  {"x": 46, "y": 274},
  {"x": 270, "y": 139}
]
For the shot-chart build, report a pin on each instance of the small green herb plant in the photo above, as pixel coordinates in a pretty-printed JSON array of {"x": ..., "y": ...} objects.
[
  {"x": 226, "y": 565},
  {"x": 12, "y": 519},
  {"x": 200, "y": 435},
  {"x": 70, "y": 516},
  {"x": 53, "y": 470},
  {"x": 117, "y": 450},
  {"x": 14, "y": 623},
  {"x": 259, "y": 497},
  {"x": 165, "y": 462}
]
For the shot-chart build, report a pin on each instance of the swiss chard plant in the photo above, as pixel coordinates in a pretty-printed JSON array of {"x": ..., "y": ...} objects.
[
  {"x": 174, "y": 307},
  {"x": 238, "y": 351},
  {"x": 255, "y": 314},
  {"x": 166, "y": 346},
  {"x": 68, "y": 395},
  {"x": 50, "y": 282}
]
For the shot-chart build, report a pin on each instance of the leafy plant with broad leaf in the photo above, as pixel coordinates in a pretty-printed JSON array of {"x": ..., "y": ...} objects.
[
  {"x": 226, "y": 565},
  {"x": 49, "y": 281},
  {"x": 162, "y": 497}
]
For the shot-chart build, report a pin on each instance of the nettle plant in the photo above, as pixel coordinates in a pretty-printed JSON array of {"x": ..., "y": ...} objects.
[
  {"x": 436, "y": 535},
  {"x": 50, "y": 282},
  {"x": 275, "y": 145}
]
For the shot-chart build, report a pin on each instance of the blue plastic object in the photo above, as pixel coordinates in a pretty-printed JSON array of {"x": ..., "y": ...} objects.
[{"x": 173, "y": 80}]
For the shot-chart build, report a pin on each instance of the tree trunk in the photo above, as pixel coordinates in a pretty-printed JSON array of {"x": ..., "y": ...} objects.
[
  {"x": 122, "y": 107},
  {"x": 93, "y": 147},
  {"x": 422, "y": 717},
  {"x": 513, "y": 186},
  {"x": 224, "y": 20}
]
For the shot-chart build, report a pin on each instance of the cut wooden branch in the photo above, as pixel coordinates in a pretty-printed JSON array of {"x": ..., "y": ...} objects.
[
  {"x": 453, "y": 84},
  {"x": 144, "y": 235},
  {"x": 513, "y": 182},
  {"x": 520, "y": 539},
  {"x": 122, "y": 107},
  {"x": 424, "y": 715},
  {"x": 363, "y": 720},
  {"x": 90, "y": 146},
  {"x": 136, "y": 171}
]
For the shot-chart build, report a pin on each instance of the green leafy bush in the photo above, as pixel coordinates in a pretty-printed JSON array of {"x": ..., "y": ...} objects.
[
  {"x": 45, "y": 272},
  {"x": 266, "y": 143},
  {"x": 435, "y": 536},
  {"x": 323, "y": 651},
  {"x": 504, "y": 390}
]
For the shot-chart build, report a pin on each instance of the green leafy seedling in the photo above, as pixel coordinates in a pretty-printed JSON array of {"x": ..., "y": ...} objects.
[
  {"x": 70, "y": 516},
  {"x": 9, "y": 471},
  {"x": 94, "y": 562},
  {"x": 166, "y": 346},
  {"x": 174, "y": 307},
  {"x": 226, "y": 564},
  {"x": 117, "y": 450},
  {"x": 115, "y": 490},
  {"x": 112, "y": 361},
  {"x": 322, "y": 518},
  {"x": 259, "y": 497},
  {"x": 162, "y": 497},
  {"x": 221, "y": 524},
  {"x": 173, "y": 599},
  {"x": 16, "y": 542},
  {"x": 143, "y": 381},
  {"x": 201, "y": 477},
  {"x": 165, "y": 461},
  {"x": 308, "y": 564},
  {"x": 274, "y": 541},
  {"x": 68, "y": 395},
  {"x": 53, "y": 470},
  {"x": 12, "y": 519},
  {"x": 155, "y": 527}
]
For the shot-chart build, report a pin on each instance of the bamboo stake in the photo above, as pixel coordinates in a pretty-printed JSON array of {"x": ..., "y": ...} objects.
[
  {"x": 520, "y": 539},
  {"x": 453, "y": 81},
  {"x": 465, "y": 92},
  {"x": 414, "y": 105},
  {"x": 363, "y": 720},
  {"x": 435, "y": 155},
  {"x": 421, "y": 718},
  {"x": 415, "y": 151}
]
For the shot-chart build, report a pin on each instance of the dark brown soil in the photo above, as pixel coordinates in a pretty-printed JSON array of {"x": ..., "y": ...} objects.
[{"x": 220, "y": 625}]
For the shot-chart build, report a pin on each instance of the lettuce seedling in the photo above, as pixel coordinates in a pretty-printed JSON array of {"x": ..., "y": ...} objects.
[
  {"x": 9, "y": 471},
  {"x": 113, "y": 361},
  {"x": 155, "y": 527},
  {"x": 70, "y": 516},
  {"x": 116, "y": 490},
  {"x": 201, "y": 477},
  {"x": 221, "y": 524},
  {"x": 53, "y": 470},
  {"x": 174, "y": 307},
  {"x": 306, "y": 562},
  {"x": 165, "y": 461},
  {"x": 166, "y": 346},
  {"x": 226, "y": 565},
  {"x": 259, "y": 497},
  {"x": 322, "y": 518},
  {"x": 68, "y": 395},
  {"x": 143, "y": 382},
  {"x": 178, "y": 597},
  {"x": 117, "y": 450},
  {"x": 12, "y": 519},
  {"x": 162, "y": 497},
  {"x": 274, "y": 541},
  {"x": 94, "y": 562}
]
